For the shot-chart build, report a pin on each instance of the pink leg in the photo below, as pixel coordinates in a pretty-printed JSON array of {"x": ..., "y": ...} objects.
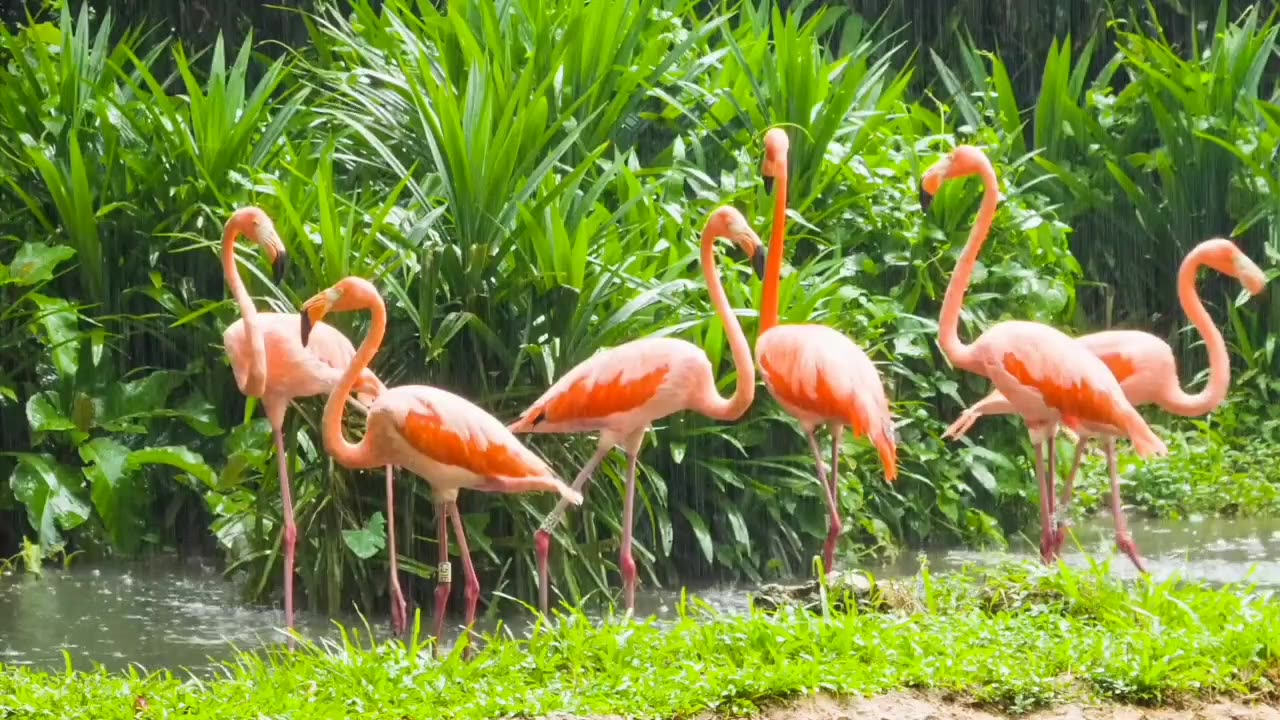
[
  {"x": 399, "y": 616},
  {"x": 473, "y": 583},
  {"x": 542, "y": 537},
  {"x": 444, "y": 572},
  {"x": 290, "y": 536},
  {"x": 626, "y": 564},
  {"x": 1062, "y": 521},
  {"x": 833, "y": 513},
  {"x": 1045, "y": 517},
  {"x": 833, "y": 484},
  {"x": 1123, "y": 539}
]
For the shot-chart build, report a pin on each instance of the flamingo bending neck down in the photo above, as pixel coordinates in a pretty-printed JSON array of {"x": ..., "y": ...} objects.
[
  {"x": 270, "y": 364},
  {"x": 621, "y": 391},
  {"x": 1145, "y": 367},
  {"x": 439, "y": 436},
  {"x": 1047, "y": 376},
  {"x": 817, "y": 375}
]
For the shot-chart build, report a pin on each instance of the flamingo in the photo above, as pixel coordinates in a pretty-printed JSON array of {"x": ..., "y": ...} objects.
[
  {"x": 621, "y": 391},
  {"x": 1145, "y": 367},
  {"x": 817, "y": 375},
  {"x": 437, "y": 435},
  {"x": 270, "y": 364},
  {"x": 1047, "y": 377}
]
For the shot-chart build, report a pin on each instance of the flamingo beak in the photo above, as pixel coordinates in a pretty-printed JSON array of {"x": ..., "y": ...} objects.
[
  {"x": 926, "y": 199},
  {"x": 758, "y": 262},
  {"x": 768, "y": 184},
  {"x": 313, "y": 311},
  {"x": 279, "y": 266}
]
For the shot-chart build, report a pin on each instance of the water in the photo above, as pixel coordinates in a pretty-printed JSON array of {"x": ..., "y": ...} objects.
[{"x": 184, "y": 615}]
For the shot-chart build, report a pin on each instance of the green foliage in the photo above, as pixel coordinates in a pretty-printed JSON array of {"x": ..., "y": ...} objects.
[
  {"x": 1015, "y": 639},
  {"x": 525, "y": 182}
]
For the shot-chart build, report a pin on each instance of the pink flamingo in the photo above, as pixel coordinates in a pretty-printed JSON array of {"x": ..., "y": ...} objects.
[
  {"x": 817, "y": 375},
  {"x": 1048, "y": 377},
  {"x": 270, "y": 364},
  {"x": 621, "y": 391},
  {"x": 439, "y": 436},
  {"x": 1148, "y": 374}
]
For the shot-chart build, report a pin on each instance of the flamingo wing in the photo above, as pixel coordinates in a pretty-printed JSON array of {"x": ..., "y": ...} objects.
[
  {"x": 450, "y": 431},
  {"x": 821, "y": 376},
  {"x": 616, "y": 382}
]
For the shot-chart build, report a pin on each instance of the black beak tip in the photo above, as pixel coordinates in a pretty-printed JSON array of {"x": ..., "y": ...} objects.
[
  {"x": 768, "y": 184},
  {"x": 757, "y": 263},
  {"x": 926, "y": 200},
  {"x": 280, "y": 266},
  {"x": 305, "y": 327}
]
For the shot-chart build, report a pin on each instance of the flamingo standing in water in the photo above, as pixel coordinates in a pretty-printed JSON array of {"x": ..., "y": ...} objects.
[
  {"x": 1047, "y": 377},
  {"x": 439, "y": 436},
  {"x": 817, "y": 375},
  {"x": 1145, "y": 367},
  {"x": 621, "y": 391},
  {"x": 270, "y": 364}
]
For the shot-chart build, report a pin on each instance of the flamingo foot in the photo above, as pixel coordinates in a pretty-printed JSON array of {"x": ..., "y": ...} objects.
[
  {"x": 1130, "y": 548},
  {"x": 399, "y": 609},
  {"x": 542, "y": 544},
  {"x": 628, "y": 568}
]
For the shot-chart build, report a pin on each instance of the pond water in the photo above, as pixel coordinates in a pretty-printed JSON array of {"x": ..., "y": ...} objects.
[{"x": 165, "y": 613}]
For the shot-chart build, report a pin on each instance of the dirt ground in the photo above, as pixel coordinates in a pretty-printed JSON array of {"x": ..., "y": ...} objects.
[
  {"x": 910, "y": 706},
  {"x": 919, "y": 706}
]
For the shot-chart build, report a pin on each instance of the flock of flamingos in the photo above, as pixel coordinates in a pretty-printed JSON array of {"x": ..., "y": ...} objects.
[{"x": 1088, "y": 385}]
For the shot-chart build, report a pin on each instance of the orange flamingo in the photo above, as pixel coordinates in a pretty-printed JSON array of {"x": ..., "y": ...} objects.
[
  {"x": 621, "y": 391},
  {"x": 270, "y": 364},
  {"x": 817, "y": 375},
  {"x": 1048, "y": 377},
  {"x": 439, "y": 436},
  {"x": 1148, "y": 374}
]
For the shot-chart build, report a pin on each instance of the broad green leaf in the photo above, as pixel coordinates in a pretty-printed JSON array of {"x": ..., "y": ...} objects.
[
  {"x": 50, "y": 492},
  {"x": 182, "y": 458},
  {"x": 35, "y": 262},
  {"x": 368, "y": 540},
  {"x": 43, "y": 414},
  {"x": 120, "y": 503}
]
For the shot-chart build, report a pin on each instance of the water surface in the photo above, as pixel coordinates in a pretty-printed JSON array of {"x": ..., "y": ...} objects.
[{"x": 170, "y": 614}]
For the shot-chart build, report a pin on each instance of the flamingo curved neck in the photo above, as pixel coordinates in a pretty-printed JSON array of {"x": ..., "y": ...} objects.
[
  {"x": 744, "y": 392},
  {"x": 773, "y": 263},
  {"x": 354, "y": 455},
  {"x": 257, "y": 371},
  {"x": 1177, "y": 401},
  {"x": 960, "y": 354}
]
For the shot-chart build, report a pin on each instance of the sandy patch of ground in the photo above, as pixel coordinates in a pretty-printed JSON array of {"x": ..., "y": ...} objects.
[{"x": 911, "y": 706}]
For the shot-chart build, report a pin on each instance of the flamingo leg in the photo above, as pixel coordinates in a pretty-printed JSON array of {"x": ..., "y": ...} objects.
[
  {"x": 833, "y": 515},
  {"x": 542, "y": 537},
  {"x": 399, "y": 616},
  {"x": 290, "y": 535},
  {"x": 833, "y": 480},
  {"x": 1123, "y": 540},
  {"x": 627, "y": 564},
  {"x": 473, "y": 583},
  {"x": 444, "y": 572},
  {"x": 1062, "y": 521},
  {"x": 1044, "y": 503}
]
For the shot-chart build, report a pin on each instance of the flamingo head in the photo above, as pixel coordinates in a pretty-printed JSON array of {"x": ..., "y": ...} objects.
[
  {"x": 964, "y": 160},
  {"x": 254, "y": 224},
  {"x": 348, "y": 294},
  {"x": 776, "y": 145},
  {"x": 1227, "y": 258},
  {"x": 727, "y": 222}
]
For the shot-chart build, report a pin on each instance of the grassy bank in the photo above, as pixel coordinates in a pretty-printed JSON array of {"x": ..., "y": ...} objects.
[{"x": 1013, "y": 640}]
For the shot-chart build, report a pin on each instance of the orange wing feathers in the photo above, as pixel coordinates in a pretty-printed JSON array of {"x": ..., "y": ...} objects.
[
  {"x": 1121, "y": 365},
  {"x": 590, "y": 397},
  {"x": 432, "y": 436},
  {"x": 1075, "y": 402}
]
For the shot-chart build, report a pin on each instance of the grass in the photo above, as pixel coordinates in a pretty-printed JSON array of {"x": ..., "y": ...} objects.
[{"x": 1015, "y": 639}]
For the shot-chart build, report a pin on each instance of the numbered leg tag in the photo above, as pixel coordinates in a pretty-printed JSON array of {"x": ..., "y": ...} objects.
[{"x": 444, "y": 572}]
